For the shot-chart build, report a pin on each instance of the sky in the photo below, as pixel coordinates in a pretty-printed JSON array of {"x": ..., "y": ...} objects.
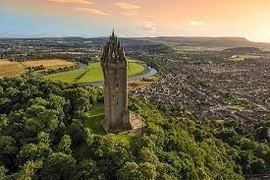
[{"x": 132, "y": 18}]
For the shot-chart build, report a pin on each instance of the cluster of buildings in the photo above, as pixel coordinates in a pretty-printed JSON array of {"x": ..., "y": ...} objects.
[{"x": 216, "y": 90}]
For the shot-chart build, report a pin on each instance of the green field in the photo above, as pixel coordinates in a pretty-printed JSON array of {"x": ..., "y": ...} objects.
[
  {"x": 93, "y": 73},
  {"x": 94, "y": 117}
]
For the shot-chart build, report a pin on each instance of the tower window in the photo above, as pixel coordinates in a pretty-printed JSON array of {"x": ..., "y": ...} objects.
[{"x": 117, "y": 103}]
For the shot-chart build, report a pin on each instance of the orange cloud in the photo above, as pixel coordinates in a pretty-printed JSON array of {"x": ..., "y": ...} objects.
[
  {"x": 127, "y": 6},
  {"x": 92, "y": 11},
  {"x": 150, "y": 26},
  {"x": 71, "y": 1},
  {"x": 196, "y": 23},
  {"x": 130, "y": 13}
]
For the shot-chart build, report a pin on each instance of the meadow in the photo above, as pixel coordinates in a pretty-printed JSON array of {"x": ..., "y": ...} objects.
[{"x": 93, "y": 73}]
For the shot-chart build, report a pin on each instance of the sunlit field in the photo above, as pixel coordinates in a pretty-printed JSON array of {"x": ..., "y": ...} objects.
[
  {"x": 10, "y": 69},
  {"x": 93, "y": 73},
  {"x": 48, "y": 63}
]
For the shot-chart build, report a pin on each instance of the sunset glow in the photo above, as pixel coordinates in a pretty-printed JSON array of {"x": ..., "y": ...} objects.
[{"x": 34, "y": 18}]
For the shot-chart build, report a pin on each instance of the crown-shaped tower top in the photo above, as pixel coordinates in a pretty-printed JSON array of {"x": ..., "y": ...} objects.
[
  {"x": 113, "y": 50},
  {"x": 113, "y": 33}
]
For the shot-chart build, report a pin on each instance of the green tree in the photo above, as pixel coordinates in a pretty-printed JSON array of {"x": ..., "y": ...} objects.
[
  {"x": 29, "y": 152},
  {"x": 44, "y": 150},
  {"x": 229, "y": 135},
  {"x": 76, "y": 132},
  {"x": 146, "y": 155},
  {"x": 64, "y": 145},
  {"x": 89, "y": 136},
  {"x": 3, "y": 172},
  {"x": 261, "y": 134},
  {"x": 87, "y": 169},
  {"x": 58, "y": 104},
  {"x": 1, "y": 91},
  {"x": 133, "y": 171},
  {"x": 7, "y": 145},
  {"x": 258, "y": 166},
  {"x": 28, "y": 171},
  {"x": 128, "y": 172},
  {"x": 44, "y": 137},
  {"x": 33, "y": 126},
  {"x": 58, "y": 166},
  {"x": 38, "y": 101},
  {"x": 49, "y": 119},
  {"x": 147, "y": 171},
  {"x": 3, "y": 122}
]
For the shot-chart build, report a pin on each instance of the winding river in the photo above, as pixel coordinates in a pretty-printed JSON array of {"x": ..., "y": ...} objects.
[{"x": 152, "y": 71}]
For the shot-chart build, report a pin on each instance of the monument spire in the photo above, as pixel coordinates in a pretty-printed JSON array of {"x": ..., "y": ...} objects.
[
  {"x": 114, "y": 67},
  {"x": 113, "y": 33}
]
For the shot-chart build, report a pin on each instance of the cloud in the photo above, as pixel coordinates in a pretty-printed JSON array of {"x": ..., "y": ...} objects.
[
  {"x": 92, "y": 11},
  {"x": 150, "y": 26},
  {"x": 127, "y": 6},
  {"x": 196, "y": 23},
  {"x": 71, "y": 1},
  {"x": 130, "y": 13}
]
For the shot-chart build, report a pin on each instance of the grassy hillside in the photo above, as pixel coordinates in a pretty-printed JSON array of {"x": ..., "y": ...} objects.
[{"x": 207, "y": 41}]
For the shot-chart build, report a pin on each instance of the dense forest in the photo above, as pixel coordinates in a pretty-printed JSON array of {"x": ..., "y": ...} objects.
[{"x": 43, "y": 136}]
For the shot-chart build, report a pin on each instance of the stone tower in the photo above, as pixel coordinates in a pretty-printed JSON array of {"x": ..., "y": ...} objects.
[{"x": 114, "y": 67}]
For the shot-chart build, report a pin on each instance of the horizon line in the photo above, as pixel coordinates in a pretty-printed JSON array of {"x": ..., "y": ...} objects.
[{"x": 131, "y": 37}]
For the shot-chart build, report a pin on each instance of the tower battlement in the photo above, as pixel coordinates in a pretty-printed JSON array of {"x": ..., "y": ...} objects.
[{"x": 113, "y": 52}]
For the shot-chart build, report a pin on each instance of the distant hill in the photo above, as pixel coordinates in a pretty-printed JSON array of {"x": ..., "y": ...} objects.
[
  {"x": 228, "y": 42},
  {"x": 243, "y": 50},
  {"x": 222, "y": 42}
]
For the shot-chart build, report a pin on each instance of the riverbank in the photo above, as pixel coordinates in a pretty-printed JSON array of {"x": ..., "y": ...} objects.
[
  {"x": 92, "y": 73},
  {"x": 151, "y": 72}
]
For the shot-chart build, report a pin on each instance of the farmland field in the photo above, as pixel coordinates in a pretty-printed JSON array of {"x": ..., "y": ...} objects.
[
  {"x": 48, "y": 64},
  {"x": 93, "y": 73},
  {"x": 244, "y": 57},
  {"x": 10, "y": 69}
]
